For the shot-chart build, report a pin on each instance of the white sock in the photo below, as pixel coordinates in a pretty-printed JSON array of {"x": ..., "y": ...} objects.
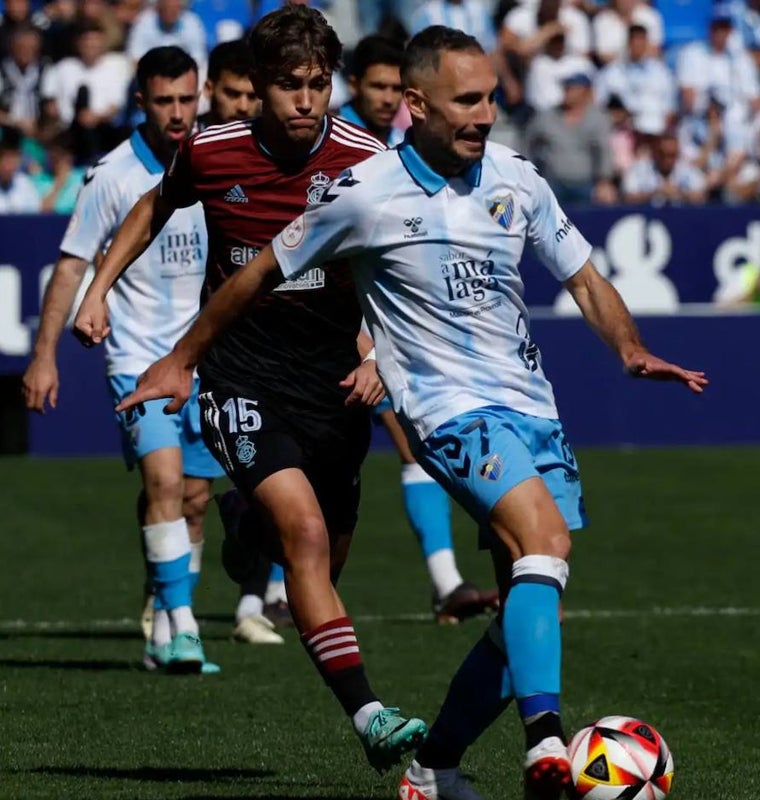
[
  {"x": 196, "y": 554},
  {"x": 162, "y": 629},
  {"x": 183, "y": 620},
  {"x": 249, "y": 605},
  {"x": 361, "y": 718},
  {"x": 275, "y": 592},
  {"x": 444, "y": 575}
]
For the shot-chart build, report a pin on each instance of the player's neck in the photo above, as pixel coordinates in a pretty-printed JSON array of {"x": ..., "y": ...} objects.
[
  {"x": 276, "y": 143},
  {"x": 164, "y": 151}
]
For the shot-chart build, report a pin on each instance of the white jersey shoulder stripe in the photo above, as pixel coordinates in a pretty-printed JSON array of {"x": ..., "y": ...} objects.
[
  {"x": 356, "y": 144},
  {"x": 222, "y": 127},
  {"x": 222, "y": 137},
  {"x": 354, "y": 132}
]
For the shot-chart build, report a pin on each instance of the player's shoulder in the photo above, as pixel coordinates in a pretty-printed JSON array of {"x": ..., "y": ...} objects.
[
  {"x": 352, "y": 140},
  {"x": 112, "y": 167},
  {"x": 508, "y": 163},
  {"x": 225, "y": 136}
]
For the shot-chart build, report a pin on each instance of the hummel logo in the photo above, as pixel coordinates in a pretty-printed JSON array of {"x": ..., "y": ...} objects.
[
  {"x": 413, "y": 223},
  {"x": 235, "y": 195}
]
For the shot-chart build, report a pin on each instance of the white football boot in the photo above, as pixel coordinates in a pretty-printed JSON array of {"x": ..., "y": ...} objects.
[{"x": 422, "y": 783}]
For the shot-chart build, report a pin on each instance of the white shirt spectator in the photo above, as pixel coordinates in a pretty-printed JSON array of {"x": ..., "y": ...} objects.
[
  {"x": 543, "y": 82},
  {"x": 147, "y": 33},
  {"x": 523, "y": 23},
  {"x": 646, "y": 87},
  {"x": 611, "y": 30},
  {"x": 471, "y": 16},
  {"x": 644, "y": 178},
  {"x": 107, "y": 82},
  {"x": 20, "y": 197},
  {"x": 730, "y": 76}
]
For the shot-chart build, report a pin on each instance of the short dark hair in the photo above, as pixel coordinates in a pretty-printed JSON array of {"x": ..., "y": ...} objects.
[
  {"x": 88, "y": 26},
  {"x": 234, "y": 57},
  {"x": 373, "y": 50},
  {"x": 10, "y": 138},
  {"x": 290, "y": 37},
  {"x": 425, "y": 49},
  {"x": 165, "y": 62},
  {"x": 637, "y": 30}
]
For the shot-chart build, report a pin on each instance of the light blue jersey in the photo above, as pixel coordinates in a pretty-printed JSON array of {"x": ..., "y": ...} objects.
[
  {"x": 436, "y": 265},
  {"x": 156, "y": 300}
]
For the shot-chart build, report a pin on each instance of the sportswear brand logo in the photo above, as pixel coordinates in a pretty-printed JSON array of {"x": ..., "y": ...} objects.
[
  {"x": 235, "y": 195},
  {"x": 413, "y": 224}
]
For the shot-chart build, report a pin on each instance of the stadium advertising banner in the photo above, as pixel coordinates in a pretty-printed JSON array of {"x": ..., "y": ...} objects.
[{"x": 669, "y": 263}]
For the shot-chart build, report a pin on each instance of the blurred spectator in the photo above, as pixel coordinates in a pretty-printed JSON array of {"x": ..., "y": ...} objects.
[
  {"x": 57, "y": 19},
  {"x": 59, "y": 186},
  {"x": 746, "y": 19},
  {"x": 611, "y": 26},
  {"x": 127, "y": 11},
  {"x": 471, "y": 16},
  {"x": 665, "y": 178},
  {"x": 528, "y": 27},
  {"x": 103, "y": 14},
  {"x": 375, "y": 84},
  {"x": 87, "y": 93},
  {"x": 168, "y": 23},
  {"x": 228, "y": 86},
  {"x": 17, "y": 192},
  {"x": 15, "y": 12},
  {"x": 644, "y": 84},
  {"x": 223, "y": 20},
  {"x": 622, "y": 138},
  {"x": 21, "y": 75},
  {"x": 547, "y": 71},
  {"x": 570, "y": 145},
  {"x": 710, "y": 68},
  {"x": 374, "y": 14}
]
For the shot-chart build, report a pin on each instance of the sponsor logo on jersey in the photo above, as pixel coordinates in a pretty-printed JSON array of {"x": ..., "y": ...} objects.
[
  {"x": 565, "y": 227},
  {"x": 313, "y": 279},
  {"x": 245, "y": 450},
  {"x": 293, "y": 235},
  {"x": 180, "y": 250},
  {"x": 240, "y": 256},
  {"x": 319, "y": 182},
  {"x": 235, "y": 195},
  {"x": 470, "y": 283},
  {"x": 502, "y": 210}
]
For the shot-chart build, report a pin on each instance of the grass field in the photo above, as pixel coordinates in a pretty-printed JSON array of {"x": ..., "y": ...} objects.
[{"x": 663, "y": 622}]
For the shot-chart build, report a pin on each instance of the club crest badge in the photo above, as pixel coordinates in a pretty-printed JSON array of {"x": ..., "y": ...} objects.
[
  {"x": 492, "y": 468},
  {"x": 245, "y": 450},
  {"x": 502, "y": 210}
]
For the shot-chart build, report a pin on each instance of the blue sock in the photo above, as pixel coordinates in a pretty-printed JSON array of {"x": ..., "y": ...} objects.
[
  {"x": 479, "y": 691},
  {"x": 167, "y": 550},
  {"x": 427, "y": 508},
  {"x": 531, "y": 630},
  {"x": 276, "y": 573}
]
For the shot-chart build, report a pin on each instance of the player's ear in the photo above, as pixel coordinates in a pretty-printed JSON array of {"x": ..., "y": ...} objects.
[
  {"x": 353, "y": 85},
  {"x": 415, "y": 100},
  {"x": 140, "y": 101},
  {"x": 208, "y": 89}
]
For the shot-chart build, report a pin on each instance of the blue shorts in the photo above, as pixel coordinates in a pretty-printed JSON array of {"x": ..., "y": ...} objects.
[
  {"x": 482, "y": 454},
  {"x": 144, "y": 433}
]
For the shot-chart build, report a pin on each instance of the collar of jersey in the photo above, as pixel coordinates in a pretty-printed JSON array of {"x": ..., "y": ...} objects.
[
  {"x": 313, "y": 150},
  {"x": 145, "y": 154},
  {"x": 426, "y": 177}
]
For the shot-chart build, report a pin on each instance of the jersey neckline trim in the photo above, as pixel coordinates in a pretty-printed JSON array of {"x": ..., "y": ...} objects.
[
  {"x": 425, "y": 176},
  {"x": 269, "y": 154},
  {"x": 143, "y": 152}
]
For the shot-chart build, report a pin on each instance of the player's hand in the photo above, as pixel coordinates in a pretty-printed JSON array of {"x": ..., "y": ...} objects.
[
  {"x": 366, "y": 387},
  {"x": 91, "y": 323},
  {"x": 644, "y": 365},
  {"x": 166, "y": 378},
  {"x": 40, "y": 384}
]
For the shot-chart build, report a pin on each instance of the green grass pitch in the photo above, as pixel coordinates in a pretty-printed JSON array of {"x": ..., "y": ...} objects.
[{"x": 663, "y": 622}]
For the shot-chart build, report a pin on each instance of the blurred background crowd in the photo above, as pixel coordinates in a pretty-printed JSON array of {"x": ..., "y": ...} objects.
[{"x": 616, "y": 101}]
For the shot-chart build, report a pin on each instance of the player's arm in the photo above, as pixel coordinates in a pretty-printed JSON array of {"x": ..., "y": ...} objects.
[
  {"x": 40, "y": 381},
  {"x": 141, "y": 226},
  {"x": 606, "y": 313},
  {"x": 364, "y": 382}
]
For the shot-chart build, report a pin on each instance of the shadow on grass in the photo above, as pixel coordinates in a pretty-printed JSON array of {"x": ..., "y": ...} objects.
[
  {"x": 278, "y": 797},
  {"x": 156, "y": 774},
  {"x": 68, "y": 664}
]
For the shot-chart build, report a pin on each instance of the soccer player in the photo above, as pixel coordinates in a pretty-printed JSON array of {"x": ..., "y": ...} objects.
[
  {"x": 284, "y": 393},
  {"x": 228, "y": 85},
  {"x": 435, "y": 231},
  {"x": 375, "y": 82},
  {"x": 150, "y": 309}
]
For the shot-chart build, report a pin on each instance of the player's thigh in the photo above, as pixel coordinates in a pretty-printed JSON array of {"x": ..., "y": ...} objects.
[{"x": 197, "y": 460}]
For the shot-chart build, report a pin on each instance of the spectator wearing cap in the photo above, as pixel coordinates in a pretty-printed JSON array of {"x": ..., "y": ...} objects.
[
  {"x": 664, "y": 178},
  {"x": 88, "y": 92},
  {"x": 21, "y": 74},
  {"x": 643, "y": 83},
  {"x": 168, "y": 23},
  {"x": 712, "y": 68},
  {"x": 17, "y": 192},
  {"x": 471, "y": 16},
  {"x": 570, "y": 145},
  {"x": 611, "y": 27}
]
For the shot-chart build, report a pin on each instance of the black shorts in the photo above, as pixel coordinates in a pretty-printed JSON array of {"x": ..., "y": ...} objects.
[{"x": 252, "y": 442}]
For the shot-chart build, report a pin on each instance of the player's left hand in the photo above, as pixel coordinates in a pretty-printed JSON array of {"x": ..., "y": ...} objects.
[
  {"x": 366, "y": 387},
  {"x": 645, "y": 365},
  {"x": 166, "y": 378}
]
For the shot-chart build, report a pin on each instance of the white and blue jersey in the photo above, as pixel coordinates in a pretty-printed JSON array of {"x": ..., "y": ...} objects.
[
  {"x": 436, "y": 266},
  {"x": 156, "y": 299},
  {"x": 350, "y": 114}
]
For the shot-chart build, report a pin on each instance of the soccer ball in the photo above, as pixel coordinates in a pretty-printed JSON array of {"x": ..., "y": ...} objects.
[{"x": 620, "y": 758}]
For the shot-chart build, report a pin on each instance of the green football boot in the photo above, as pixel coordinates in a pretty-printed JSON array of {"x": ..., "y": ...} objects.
[{"x": 388, "y": 736}]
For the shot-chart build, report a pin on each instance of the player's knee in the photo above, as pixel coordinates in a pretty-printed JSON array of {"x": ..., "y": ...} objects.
[
  {"x": 305, "y": 542},
  {"x": 164, "y": 487},
  {"x": 194, "y": 503}
]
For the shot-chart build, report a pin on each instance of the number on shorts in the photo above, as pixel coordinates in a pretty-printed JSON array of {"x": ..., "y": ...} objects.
[
  {"x": 479, "y": 424},
  {"x": 452, "y": 449},
  {"x": 241, "y": 415}
]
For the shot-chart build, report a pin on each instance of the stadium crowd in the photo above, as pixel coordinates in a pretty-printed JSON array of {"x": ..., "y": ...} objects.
[{"x": 616, "y": 102}]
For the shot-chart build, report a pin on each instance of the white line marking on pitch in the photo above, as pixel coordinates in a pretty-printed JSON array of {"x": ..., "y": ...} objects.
[{"x": 583, "y": 614}]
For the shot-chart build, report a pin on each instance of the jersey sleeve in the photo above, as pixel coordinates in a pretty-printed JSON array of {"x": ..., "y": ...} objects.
[
  {"x": 559, "y": 244},
  {"x": 95, "y": 215},
  {"x": 177, "y": 184},
  {"x": 329, "y": 228}
]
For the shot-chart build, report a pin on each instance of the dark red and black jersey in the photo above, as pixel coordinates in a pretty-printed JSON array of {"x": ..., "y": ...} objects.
[{"x": 299, "y": 341}]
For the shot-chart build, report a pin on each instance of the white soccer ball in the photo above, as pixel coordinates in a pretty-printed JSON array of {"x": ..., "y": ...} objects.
[{"x": 620, "y": 758}]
